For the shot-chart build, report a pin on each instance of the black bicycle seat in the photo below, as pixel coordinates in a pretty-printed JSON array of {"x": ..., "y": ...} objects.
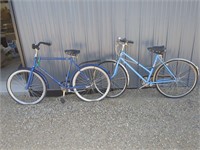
[
  {"x": 157, "y": 49},
  {"x": 72, "y": 52}
]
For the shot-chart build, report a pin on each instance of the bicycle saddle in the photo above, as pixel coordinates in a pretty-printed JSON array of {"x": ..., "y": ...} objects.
[
  {"x": 72, "y": 52},
  {"x": 157, "y": 49}
]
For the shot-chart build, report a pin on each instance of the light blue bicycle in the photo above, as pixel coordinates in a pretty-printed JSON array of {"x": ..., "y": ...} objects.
[
  {"x": 89, "y": 82},
  {"x": 174, "y": 78}
]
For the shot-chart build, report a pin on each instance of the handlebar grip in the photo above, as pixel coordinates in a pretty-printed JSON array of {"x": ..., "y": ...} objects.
[
  {"x": 123, "y": 40},
  {"x": 45, "y": 43},
  {"x": 131, "y": 42}
]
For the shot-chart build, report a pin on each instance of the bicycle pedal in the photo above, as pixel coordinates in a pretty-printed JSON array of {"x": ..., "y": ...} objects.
[{"x": 62, "y": 100}]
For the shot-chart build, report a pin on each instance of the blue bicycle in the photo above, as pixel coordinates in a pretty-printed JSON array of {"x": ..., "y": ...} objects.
[
  {"x": 29, "y": 85},
  {"x": 174, "y": 78}
]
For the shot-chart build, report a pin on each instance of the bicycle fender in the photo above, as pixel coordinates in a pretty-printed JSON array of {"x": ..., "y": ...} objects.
[
  {"x": 95, "y": 65},
  {"x": 39, "y": 73},
  {"x": 86, "y": 65},
  {"x": 89, "y": 62},
  {"x": 197, "y": 68}
]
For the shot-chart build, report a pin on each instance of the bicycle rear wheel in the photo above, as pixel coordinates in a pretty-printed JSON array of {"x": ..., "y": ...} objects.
[
  {"x": 91, "y": 83},
  {"x": 16, "y": 86},
  {"x": 186, "y": 76},
  {"x": 120, "y": 81}
]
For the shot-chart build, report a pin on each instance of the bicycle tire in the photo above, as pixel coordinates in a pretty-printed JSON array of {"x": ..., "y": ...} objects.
[
  {"x": 91, "y": 83},
  {"x": 16, "y": 86},
  {"x": 186, "y": 75},
  {"x": 120, "y": 81}
]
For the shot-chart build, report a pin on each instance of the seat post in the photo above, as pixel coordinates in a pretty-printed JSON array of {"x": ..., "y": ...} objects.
[{"x": 68, "y": 73}]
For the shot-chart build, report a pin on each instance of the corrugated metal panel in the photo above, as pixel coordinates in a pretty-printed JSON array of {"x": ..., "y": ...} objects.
[{"x": 93, "y": 26}]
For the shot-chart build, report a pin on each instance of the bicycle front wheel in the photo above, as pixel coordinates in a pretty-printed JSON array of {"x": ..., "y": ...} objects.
[
  {"x": 181, "y": 83},
  {"x": 18, "y": 90},
  {"x": 91, "y": 83},
  {"x": 120, "y": 81}
]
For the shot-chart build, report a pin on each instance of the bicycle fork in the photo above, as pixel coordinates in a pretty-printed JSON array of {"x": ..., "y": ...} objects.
[
  {"x": 30, "y": 76},
  {"x": 30, "y": 79}
]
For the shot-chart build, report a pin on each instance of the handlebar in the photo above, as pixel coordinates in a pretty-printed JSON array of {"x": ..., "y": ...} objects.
[
  {"x": 124, "y": 40},
  {"x": 37, "y": 46}
]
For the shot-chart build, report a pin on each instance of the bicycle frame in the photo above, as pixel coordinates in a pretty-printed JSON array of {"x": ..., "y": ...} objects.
[
  {"x": 36, "y": 65},
  {"x": 149, "y": 71}
]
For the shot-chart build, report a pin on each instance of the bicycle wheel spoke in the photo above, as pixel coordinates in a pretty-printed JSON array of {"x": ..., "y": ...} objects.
[
  {"x": 185, "y": 81},
  {"x": 93, "y": 78},
  {"x": 17, "y": 87},
  {"x": 119, "y": 81},
  {"x": 99, "y": 80}
]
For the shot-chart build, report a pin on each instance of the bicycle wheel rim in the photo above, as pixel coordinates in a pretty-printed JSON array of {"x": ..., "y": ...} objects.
[
  {"x": 91, "y": 83},
  {"x": 119, "y": 82},
  {"x": 17, "y": 83},
  {"x": 186, "y": 78}
]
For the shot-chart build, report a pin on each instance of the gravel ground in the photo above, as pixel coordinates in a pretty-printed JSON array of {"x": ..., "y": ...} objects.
[{"x": 139, "y": 119}]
